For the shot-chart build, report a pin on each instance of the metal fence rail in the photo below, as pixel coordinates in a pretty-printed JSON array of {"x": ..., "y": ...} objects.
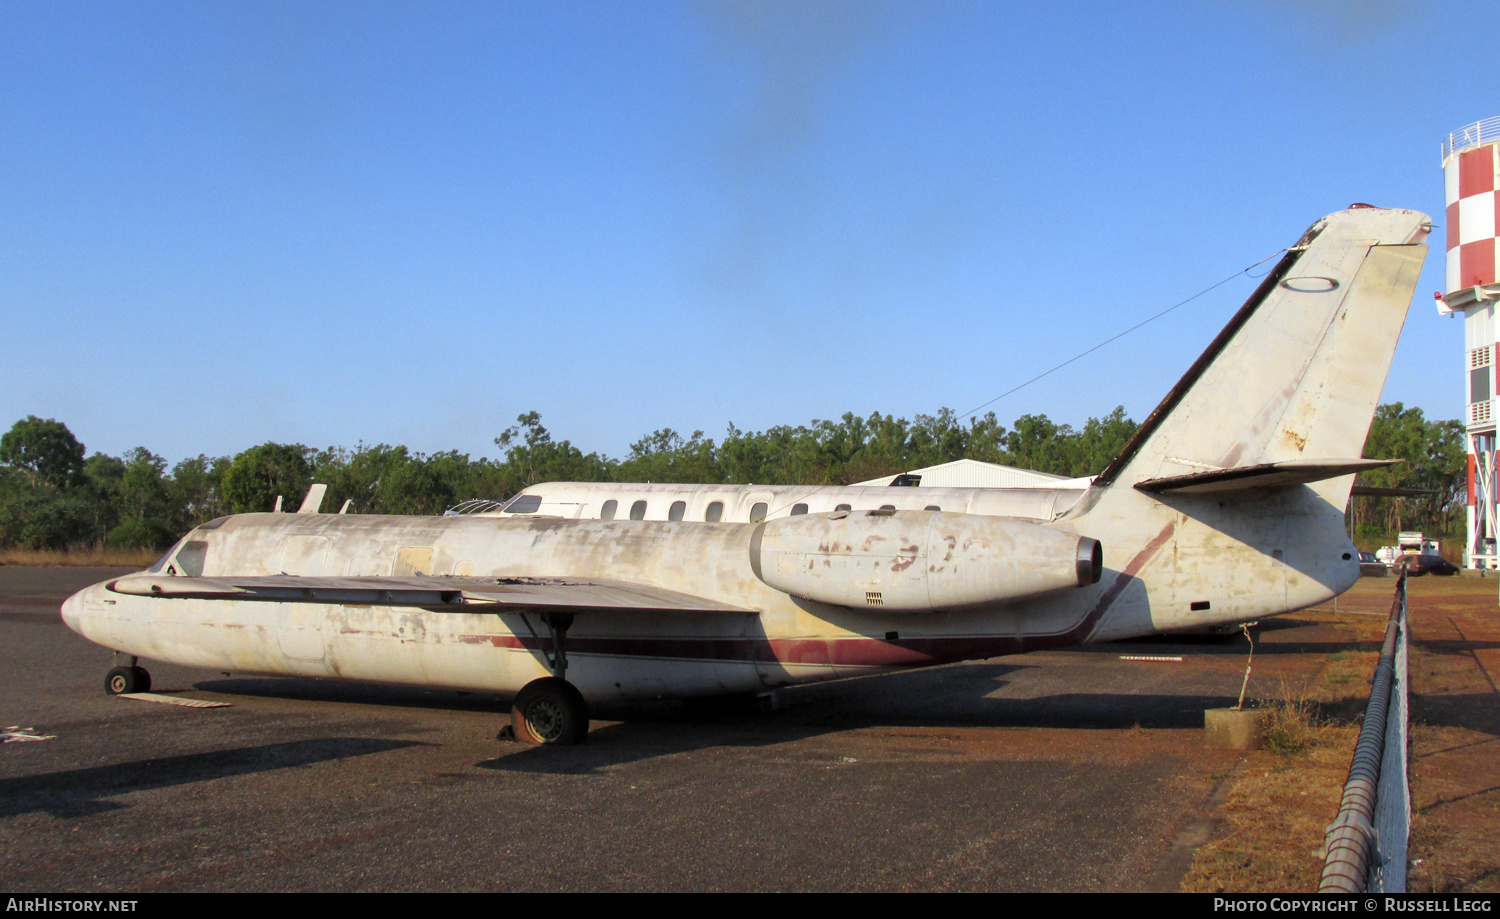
[
  {"x": 1480, "y": 132},
  {"x": 1366, "y": 843}
]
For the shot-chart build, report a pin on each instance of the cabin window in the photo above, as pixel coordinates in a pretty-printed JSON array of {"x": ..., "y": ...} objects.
[
  {"x": 844, "y": 507},
  {"x": 190, "y": 559},
  {"x": 887, "y": 507},
  {"x": 524, "y": 504},
  {"x": 798, "y": 510},
  {"x": 932, "y": 507},
  {"x": 758, "y": 512},
  {"x": 638, "y": 510},
  {"x": 607, "y": 512},
  {"x": 715, "y": 512},
  {"x": 678, "y": 509}
]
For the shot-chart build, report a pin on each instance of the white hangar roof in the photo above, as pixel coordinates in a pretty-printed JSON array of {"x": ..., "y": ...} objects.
[{"x": 967, "y": 473}]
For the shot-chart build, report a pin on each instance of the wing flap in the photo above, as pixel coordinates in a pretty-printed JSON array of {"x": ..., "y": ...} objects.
[
  {"x": 1264, "y": 475},
  {"x": 439, "y": 594}
]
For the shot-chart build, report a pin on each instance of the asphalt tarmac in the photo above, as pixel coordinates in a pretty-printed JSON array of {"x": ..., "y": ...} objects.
[{"x": 1067, "y": 770}]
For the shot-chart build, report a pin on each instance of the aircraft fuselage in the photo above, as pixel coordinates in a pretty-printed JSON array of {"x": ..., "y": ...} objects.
[{"x": 1238, "y": 572}]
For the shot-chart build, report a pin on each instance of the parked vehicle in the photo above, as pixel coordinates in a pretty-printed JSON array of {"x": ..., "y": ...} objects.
[{"x": 1418, "y": 565}]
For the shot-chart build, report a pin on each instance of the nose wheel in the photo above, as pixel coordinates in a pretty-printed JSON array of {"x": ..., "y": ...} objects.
[{"x": 127, "y": 679}]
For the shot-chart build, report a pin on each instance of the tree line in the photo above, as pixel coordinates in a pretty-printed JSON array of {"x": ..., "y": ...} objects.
[
  {"x": 54, "y": 496},
  {"x": 1435, "y": 462}
]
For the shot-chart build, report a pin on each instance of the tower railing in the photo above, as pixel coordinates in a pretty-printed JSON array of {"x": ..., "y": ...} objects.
[{"x": 1480, "y": 132}]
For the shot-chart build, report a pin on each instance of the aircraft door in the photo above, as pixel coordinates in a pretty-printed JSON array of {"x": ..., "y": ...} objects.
[
  {"x": 299, "y": 630},
  {"x": 299, "y": 626},
  {"x": 304, "y": 555}
]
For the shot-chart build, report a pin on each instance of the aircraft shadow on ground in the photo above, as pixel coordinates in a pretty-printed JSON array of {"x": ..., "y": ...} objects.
[
  {"x": 1234, "y": 644},
  {"x": 958, "y": 695},
  {"x": 351, "y": 693},
  {"x": 79, "y": 792},
  {"x": 910, "y": 699}
]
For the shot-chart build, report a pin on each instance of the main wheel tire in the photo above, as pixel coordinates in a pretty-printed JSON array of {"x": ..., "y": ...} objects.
[
  {"x": 142, "y": 679},
  {"x": 122, "y": 680},
  {"x": 550, "y": 711}
]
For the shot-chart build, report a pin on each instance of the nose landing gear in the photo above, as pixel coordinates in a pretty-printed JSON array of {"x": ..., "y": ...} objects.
[{"x": 129, "y": 678}]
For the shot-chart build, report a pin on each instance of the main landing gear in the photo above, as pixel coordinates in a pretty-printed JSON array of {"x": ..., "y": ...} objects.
[
  {"x": 128, "y": 678},
  {"x": 551, "y": 710}
]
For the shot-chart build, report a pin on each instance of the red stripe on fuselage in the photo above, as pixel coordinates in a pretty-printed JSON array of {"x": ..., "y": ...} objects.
[
  {"x": 847, "y": 652},
  {"x": 843, "y": 652},
  {"x": 1128, "y": 573}
]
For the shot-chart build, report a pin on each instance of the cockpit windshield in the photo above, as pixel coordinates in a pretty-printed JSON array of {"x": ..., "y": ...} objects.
[
  {"x": 189, "y": 559},
  {"x": 160, "y": 563},
  {"x": 524, "y": 504}
]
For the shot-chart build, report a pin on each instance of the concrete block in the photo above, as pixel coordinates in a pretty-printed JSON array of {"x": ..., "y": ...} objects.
[{"x": 1232, "y": 729}]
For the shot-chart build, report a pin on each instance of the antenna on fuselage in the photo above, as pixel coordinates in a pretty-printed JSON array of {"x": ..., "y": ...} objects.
[{"x": 313, "y": 503}]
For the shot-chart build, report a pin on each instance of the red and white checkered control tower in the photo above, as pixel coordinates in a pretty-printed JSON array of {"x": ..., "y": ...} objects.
[{"x": 1471, "y": 164}]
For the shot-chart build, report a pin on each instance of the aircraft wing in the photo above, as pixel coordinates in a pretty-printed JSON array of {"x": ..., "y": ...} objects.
[
  {"x": 1263, "y": 475},
  {"x": 439, "y": 594}
]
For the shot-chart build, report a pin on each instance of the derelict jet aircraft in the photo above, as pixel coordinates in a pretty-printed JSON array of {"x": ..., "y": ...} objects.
[{"x": 1227, "y": 505}]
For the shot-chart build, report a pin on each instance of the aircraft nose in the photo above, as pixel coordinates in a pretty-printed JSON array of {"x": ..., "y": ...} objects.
[{"x": 72, "y": 610}]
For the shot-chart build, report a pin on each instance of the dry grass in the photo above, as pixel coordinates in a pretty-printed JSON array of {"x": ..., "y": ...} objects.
[
  {"x": 1289, "y": 726},
  {"x": 1273, "y": 823},
  {"x": 80, "y": 558},
  {"x": 1270, "y": 835}
]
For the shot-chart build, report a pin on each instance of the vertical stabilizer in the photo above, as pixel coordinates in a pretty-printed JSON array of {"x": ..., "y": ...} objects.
[{"x": 1297, "y": 373}]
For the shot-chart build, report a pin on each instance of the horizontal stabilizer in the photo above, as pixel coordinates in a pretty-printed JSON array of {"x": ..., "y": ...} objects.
[
  {"x": 1263, "y": 475},
  {"x": 439, "y": 594}
]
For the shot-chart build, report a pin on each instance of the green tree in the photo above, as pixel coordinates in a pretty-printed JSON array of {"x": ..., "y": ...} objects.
[
  {"x": 258, "y": 475},
  {"x": 665, "y": 456},
  {"x": 44, "y": 450},
  {"x": 985, "y": 439},
  {"x": 533, "y": 456},
  {"x": 36, "y": 519},
  {"x": 356, "y": 475},
  {"x": 1037, "y": 443},
  {"x": 1435, "y": 460},
  {"x": 196, "y": 490},
  {"x": 102, "y": 475},
  {"x": 144, "y": 504},
  {"x": 1100, "y": 441}
]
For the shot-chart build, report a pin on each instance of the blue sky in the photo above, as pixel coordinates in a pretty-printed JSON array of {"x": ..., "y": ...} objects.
[{"x": 326, "y": 223}]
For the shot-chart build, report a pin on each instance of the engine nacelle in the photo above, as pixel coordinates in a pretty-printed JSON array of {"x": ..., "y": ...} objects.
[{"x": 919, "y": 561}]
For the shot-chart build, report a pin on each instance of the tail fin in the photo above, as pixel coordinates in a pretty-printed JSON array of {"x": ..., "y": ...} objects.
[{"x": 1295, "y": 376}]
